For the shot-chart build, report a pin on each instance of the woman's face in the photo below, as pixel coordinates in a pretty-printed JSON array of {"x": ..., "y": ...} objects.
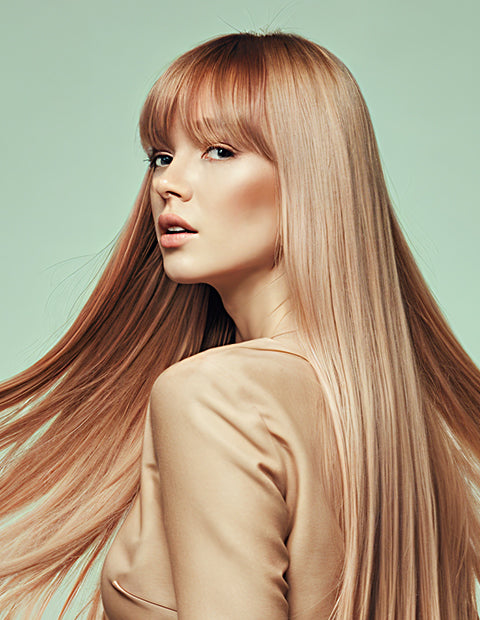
[{"x": 228, "y": 198}]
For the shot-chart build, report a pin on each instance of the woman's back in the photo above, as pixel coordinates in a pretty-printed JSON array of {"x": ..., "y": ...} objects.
[{"x": 231, "y": 478}]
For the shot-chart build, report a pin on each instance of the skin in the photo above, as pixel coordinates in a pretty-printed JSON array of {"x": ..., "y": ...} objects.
[{"x": 229, "y": 198}]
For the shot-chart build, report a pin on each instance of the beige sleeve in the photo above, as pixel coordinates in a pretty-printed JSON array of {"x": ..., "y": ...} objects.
[{"x": 222, "y": 493}]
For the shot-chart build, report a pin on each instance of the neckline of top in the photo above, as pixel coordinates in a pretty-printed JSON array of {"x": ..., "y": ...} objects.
[
  {"x": 288, "y": 345},
  {"x": 276, "y": 335}
]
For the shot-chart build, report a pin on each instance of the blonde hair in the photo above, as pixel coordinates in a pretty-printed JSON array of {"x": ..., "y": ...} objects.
[{"x": 402, "y": 456}]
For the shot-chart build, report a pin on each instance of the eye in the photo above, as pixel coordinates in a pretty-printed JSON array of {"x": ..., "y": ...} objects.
[
  {"x": 218, "y": 152},
  {"x": 159, "y": 160}
]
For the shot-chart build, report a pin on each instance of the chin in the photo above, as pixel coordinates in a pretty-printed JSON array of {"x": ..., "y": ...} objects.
[
  {"x": 186, "y": 272},
  {"x": 182, "y": 278}
]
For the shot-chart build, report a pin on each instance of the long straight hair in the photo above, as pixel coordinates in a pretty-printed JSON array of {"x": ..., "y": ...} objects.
[{"x": 401, "y": 464}]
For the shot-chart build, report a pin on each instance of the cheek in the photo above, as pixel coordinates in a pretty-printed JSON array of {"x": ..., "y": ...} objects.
[
  {"x": 156, "y": 207},
  {"x": 253, "y": 202},
  {"x": 156, "y": 203}
]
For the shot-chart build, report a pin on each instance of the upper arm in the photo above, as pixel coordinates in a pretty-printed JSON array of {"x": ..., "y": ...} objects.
[{"x": 225, "y": 515}]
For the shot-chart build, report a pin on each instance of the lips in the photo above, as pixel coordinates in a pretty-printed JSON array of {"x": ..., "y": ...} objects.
[{"x": 166, "y": 220}]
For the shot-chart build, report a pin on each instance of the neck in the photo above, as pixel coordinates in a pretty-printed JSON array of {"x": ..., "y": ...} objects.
[{"x": 259, "y": 305}]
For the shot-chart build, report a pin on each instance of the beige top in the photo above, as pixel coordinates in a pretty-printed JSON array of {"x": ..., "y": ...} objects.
[{"x": 230, "y": 522}]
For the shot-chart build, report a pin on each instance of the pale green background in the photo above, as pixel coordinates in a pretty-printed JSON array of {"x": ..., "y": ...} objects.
[{"x": 74, "y": 76}]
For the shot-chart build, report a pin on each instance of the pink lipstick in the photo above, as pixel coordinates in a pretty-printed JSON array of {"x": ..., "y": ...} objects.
[
  {"x": 174, "y": 230},
  {"x": 175, "y": 239}
]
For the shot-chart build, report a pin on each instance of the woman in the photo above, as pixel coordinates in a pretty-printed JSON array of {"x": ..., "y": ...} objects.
[{"x": 317, "y": 454}]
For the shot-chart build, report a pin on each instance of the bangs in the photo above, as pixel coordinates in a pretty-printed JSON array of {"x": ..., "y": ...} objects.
[{"x": 218, "y": 94}]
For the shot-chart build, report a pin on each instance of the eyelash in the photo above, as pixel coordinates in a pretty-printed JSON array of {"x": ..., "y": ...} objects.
[{"x": 152, "y": 158}]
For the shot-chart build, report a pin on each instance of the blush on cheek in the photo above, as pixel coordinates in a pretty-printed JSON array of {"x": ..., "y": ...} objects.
[{"x": 257, "y": 192}]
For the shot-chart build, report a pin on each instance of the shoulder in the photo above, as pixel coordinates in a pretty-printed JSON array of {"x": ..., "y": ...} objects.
[
  {"x": 258, "y": 397},
  {"x": 216, "y": 405},
  {"x": 249, "y": 385},
  {"x": 258, "y": 369}
]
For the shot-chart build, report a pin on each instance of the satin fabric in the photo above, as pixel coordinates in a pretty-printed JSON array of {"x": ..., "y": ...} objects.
[{"x": 230, "y": 522}]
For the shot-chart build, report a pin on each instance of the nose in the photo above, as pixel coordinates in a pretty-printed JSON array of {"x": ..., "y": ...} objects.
[{"x": 172, "y": 182}]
